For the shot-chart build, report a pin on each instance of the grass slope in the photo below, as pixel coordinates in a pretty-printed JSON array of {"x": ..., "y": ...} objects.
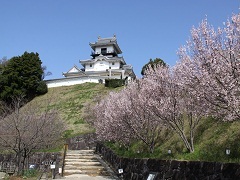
[
  {"x": 70, "y": 101},
  {"x": 212, "y": 138}
]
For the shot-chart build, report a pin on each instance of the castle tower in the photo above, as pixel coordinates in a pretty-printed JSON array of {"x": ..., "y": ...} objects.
[
  {"x": 105, "y": 63},
  {"x": 105, "y": 46}
]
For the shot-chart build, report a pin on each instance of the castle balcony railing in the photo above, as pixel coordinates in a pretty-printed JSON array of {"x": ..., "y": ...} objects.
[{"x": 105, "y": 53}]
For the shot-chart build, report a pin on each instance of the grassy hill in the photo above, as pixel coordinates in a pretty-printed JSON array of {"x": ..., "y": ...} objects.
[
  {"x": 212, "y": 137},
  {"x": 70, "y": 101}
]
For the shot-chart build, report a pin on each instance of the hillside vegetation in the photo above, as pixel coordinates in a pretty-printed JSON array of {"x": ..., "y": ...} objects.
[
  {"x": 212, "y": 138},
  {"x": 70, "y": 101}
]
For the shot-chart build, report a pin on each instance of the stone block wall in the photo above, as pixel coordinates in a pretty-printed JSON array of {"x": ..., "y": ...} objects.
[
  {"x": 82, "y": 142},
  {"x": 139, "y": 169},
  {"x": 39, "y": 160}
]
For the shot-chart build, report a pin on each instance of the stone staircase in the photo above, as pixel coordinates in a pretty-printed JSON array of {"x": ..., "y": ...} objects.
[{"x": 84, "y": 162}]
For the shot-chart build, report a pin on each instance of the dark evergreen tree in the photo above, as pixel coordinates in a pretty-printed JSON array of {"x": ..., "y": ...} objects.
[
  {"x": 22, "y": 76},
  {"x": 152, "y": 63},
  {"x": 3, "y": 62}
]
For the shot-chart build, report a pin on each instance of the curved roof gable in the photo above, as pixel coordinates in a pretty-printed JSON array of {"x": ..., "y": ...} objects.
[
  {"x": 74, "y": 69},
  {"x": 106, "y": 41}
]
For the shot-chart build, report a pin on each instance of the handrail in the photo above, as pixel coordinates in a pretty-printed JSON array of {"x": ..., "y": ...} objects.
[{"x": 64, "y": 155}]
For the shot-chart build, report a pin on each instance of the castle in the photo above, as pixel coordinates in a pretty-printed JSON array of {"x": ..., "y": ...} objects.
[{"x": 105, "y": 63}]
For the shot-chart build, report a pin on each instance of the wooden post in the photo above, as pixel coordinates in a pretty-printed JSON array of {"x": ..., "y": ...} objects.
[{"x": 64, "y": 155}]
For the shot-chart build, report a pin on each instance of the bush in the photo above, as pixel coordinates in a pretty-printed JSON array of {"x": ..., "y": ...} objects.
[
  {"x": 68, "y": 133},
  {"x": 114, "y": 83},
  {"x": 30, "y": 173},
  {"x": 42, "y": 88},
  {"x": 80, "y": 121}
]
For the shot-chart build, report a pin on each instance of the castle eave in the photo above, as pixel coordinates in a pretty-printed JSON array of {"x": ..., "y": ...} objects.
[{"x": 108, "y": 59}]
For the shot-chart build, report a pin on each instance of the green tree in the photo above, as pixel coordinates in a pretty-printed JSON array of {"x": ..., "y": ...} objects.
[
  {"x": 3, "y": 62},
  {"x": 22, "y": 76},
  {"x": 153, "y": 63}
]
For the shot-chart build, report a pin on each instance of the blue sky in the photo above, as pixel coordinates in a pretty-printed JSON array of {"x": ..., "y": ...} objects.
[{"x": 60, "y": 30}]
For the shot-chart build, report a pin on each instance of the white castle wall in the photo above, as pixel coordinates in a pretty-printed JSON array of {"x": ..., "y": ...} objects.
[
  {"x": 70, "y": 81},
  {"x": 77, "y": 80},
  {"x": 110, "y": 49},
  {"x": 102, "y": 66}
]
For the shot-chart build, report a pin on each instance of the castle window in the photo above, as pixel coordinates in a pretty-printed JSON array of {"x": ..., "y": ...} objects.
[
  {"x": 113, "y": 63},
  {"x": 90, "y": 65},
  {"x": 103, "y": 50}
]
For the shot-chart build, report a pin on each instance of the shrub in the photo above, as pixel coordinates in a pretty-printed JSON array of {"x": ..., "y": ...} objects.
[
  {"x": 42, "y": 88},
  {"x": 30, "y": 173},
  {"x": 114, "y": 83}
]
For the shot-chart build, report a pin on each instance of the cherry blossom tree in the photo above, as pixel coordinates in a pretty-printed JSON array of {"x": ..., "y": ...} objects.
[
  {"x": 110, "y": 120},
  {"x": 175, "y": 105},
  {"x": 204, "y": 82},
  {"x": 210, "y": 67},
  {"x": 146, "y": 106},
  {"x": 141, "y": 119},
  {"x": 28, "y": 128},
  {"x": 126, "y": 116}
]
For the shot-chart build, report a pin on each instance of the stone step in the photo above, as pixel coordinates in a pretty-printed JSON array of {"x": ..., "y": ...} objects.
[
  {"x": 87, "y": 177},
  {"x": 92, "y": 167},
  {"x": 82, "y": 160},
  {"x": 88, "y": 172},
  {"x": 80, "y": 152},
  {"x": 83, "y": 150},
  {"x": 80, "y": 157},
  {"x": 83, "y": 163}
]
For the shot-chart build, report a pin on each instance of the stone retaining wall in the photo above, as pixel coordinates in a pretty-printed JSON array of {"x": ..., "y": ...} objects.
[
  {"x": 139, "y": 169},
  {"x": 82, "y": 142},
  {"x": 37, "y": 160}
]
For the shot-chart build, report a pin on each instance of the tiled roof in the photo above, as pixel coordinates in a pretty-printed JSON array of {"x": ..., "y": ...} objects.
[{"x": 106, "y": 41}]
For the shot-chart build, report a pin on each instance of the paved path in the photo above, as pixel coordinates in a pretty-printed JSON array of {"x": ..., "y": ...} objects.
[{"x": 85, "y": 165}]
